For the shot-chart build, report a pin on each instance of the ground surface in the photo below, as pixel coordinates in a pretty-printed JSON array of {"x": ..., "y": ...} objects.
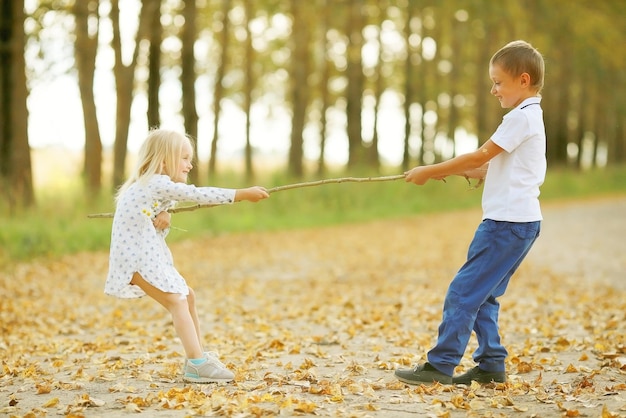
[{"x": 314, "y": 322}]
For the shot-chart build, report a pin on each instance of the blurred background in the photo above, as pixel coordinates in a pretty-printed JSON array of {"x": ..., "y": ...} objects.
[
  {"x": 297, "y": 84},
  {"x": 285, "y": 90}
]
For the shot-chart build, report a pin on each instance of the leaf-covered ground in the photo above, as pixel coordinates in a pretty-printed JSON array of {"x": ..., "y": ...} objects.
[{"x": 314, "y": 322}]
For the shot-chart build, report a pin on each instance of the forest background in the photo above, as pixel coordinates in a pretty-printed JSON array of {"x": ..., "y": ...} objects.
[{"x": 306, "y": 88}]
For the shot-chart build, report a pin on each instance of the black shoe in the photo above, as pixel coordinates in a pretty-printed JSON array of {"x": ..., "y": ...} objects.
[
  {"x": 425, "y": 373},
  {"x": 481, "y": 376}
]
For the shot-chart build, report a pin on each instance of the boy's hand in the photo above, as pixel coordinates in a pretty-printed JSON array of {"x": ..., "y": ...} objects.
[
  {"x": 252, "y": 194},
  {"x": 162, "y": 221},
  {"x": 417, "y": 175},
  {"x": 477, "y": 173}
]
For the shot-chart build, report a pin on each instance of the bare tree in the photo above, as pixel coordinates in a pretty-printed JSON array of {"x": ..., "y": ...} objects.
[
  {"x": 188, "y": 75},
  {"x": 15, "y": 163},
  {"x": 300, "y": 91},
  {"x": 373, "y": 158},
  {"x": 218, "y": 87},
  {"x": 154, "y": 68},
  {"x": 356, "y": 81},
  {"x": 248, "y": 88},
  {"x": 325, "y": 77},
  {"x": 124, "y": 82},
  {"x": 85, "y": 49},
  {"x": 409, "y": 75}
]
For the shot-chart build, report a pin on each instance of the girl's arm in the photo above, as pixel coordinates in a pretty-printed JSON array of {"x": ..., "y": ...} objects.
[
  {"x": 252, "y": 194},
  {"x": 165, "y": 188}
]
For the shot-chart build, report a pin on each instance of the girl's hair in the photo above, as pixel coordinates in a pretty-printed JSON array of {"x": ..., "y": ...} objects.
[
  {"x": 159, "y": 154},
  {"x": 520, "y": 57}
]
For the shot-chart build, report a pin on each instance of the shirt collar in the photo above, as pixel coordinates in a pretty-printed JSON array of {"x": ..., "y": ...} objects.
[{"x": 529, "y": 101}]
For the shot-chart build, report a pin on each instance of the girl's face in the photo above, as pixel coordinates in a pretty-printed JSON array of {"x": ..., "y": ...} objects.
[
  {"x": 510, "y": 90},
  {"x": 184, "y": 164}
]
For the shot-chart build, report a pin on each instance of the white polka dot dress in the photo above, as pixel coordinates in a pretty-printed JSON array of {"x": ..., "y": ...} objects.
[{"x": 137, "y": 246}]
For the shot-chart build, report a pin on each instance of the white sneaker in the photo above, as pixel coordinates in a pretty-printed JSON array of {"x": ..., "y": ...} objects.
[
  {"x": 211, "y": 371},
  {"x": 209, "y": 354},
  {"x": 213, "y": 355}
]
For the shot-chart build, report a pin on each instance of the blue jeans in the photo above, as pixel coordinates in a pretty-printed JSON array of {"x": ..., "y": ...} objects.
[{"x": 496, "y": 251}]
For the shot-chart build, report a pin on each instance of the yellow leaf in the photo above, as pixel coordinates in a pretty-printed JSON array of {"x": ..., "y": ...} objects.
[
  {"x": 43, "y": 388},
  {"x": 51, "y": 402}
]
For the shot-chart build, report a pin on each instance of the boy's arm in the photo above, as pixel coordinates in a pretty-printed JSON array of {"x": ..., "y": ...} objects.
[{"x": 463, "y": 165}]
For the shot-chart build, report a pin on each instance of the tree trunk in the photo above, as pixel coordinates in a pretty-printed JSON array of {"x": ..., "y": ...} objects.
[
  {"x": 459, "y": 35},
  {"x": 86, "y": 46},
  {"x": 154, "y": 69},
  {"x": 188, "y": 77},
  {"x": 248, "y": 88},
  {"x": 354, "y": 73},
  {"x": 218, "y": 87},
  {"x": 299, "y": 84},
  {"x": 325, "y": 94},
  {"x": 408, "y": 89},
  {"x": 124, "y": 82},
  {"x": 379, "y": 88},
  {"x": 15, "y": 152},
  {"x": 6, "y": 66}
]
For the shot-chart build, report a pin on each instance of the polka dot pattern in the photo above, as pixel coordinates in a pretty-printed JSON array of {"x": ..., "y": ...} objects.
[{"x": 137, "y": 246}]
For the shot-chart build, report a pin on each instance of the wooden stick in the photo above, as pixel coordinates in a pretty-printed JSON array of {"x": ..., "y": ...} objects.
[
  {"x": 278, "y": 189},
  {"x": 339, "y": 180}
]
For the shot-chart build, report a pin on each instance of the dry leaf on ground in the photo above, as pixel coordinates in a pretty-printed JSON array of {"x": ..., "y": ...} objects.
[{"x": 314, "y": 322}]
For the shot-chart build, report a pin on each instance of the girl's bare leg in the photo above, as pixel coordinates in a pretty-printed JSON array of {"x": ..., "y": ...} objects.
[
  {"x": 191, "y": 301},
  {"x": 184, "y": 323}
]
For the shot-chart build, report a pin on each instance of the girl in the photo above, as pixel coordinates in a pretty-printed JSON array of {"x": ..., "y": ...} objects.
[{"x": 140, "y": 263}]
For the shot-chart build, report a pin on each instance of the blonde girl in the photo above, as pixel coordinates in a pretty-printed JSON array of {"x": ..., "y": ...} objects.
[{"x": 140, "y": 263}]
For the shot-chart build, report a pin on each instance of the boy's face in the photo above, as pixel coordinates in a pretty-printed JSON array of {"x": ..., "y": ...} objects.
[{"x": 510, "y": 90}]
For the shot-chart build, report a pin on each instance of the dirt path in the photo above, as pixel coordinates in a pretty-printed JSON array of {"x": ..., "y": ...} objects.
[
  {"x": 315, "y": 321},
  {"x": 585, "y": 239}
]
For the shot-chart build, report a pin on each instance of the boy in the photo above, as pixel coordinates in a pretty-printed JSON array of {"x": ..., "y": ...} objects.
[{"x": 514, "y": 163}]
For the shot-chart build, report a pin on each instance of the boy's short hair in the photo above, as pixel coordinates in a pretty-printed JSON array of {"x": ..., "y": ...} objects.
[{"x": 520, "y": 57}]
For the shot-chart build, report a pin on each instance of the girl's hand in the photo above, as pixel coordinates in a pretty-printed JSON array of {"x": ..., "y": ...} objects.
[
  {"x": 252, "y": 194},
  {"x": 162, "y": 221}
]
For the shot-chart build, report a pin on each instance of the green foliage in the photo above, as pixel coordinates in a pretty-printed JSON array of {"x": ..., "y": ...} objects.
[{"x": 60, "y": 224}]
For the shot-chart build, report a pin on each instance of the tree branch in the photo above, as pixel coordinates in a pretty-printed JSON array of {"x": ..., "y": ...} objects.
[{"x": 278, "y": 189}]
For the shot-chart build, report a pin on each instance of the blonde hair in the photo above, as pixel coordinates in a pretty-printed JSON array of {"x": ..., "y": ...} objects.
[
  {"x": 159, "y": 154},
  {"x": 520, "y": 57}
]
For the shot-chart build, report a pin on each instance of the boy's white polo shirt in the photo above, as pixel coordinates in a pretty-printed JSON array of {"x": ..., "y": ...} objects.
[{"x": 511, "y": 191}]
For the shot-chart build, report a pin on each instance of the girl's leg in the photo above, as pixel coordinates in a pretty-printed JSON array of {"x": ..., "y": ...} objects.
[
  {"x": 191, "y": 301},
  {"x": 178, "y": 307}
]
